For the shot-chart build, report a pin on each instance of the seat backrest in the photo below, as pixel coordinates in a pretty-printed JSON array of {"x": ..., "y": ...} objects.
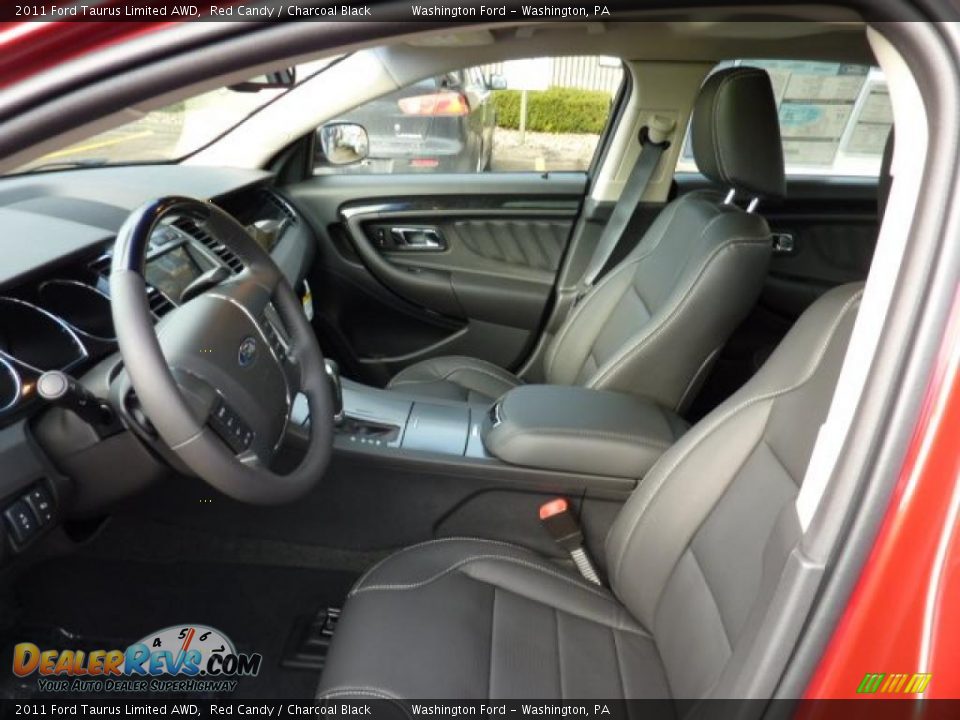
[
  {"x": 653, "y": 325},
  {"x": 699, "y": 551}
]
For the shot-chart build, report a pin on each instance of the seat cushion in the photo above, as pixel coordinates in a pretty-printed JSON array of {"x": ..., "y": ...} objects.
[
  {"x": 455, "y": 378},
  {"x": 479, "y": 619}
]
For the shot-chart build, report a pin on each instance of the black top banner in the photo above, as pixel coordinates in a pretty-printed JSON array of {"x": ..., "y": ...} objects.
[{"x": 487, "y": 11}]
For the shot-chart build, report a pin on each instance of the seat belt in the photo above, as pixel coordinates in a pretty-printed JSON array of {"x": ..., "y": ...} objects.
[{"x": 653, "y": 142}]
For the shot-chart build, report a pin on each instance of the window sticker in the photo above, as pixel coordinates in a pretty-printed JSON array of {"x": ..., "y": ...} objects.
[
  {"x": 815, "y": 101},
  {"x": 873, "y": 123}
]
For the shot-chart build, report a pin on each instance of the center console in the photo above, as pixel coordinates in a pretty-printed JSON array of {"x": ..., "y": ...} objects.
[
  {"x": 419, "y": 468},
  {"x": 378, "y": 419},
  {"x": 533, "y": 430}
]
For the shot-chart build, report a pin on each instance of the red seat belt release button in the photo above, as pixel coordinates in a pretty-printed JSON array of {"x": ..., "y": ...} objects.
[{"x": 565, "y": 530}]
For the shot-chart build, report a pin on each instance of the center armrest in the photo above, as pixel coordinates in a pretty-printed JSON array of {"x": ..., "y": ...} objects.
[{"x": 560, "y": 427}]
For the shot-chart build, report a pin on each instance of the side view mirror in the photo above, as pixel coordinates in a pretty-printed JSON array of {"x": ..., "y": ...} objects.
[
  {"x": 343, "y": 143},
  {"x": 497, "y": 82}
]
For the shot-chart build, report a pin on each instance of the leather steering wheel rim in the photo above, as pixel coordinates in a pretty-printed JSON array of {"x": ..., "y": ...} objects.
[{"x": 183, "y": 368}]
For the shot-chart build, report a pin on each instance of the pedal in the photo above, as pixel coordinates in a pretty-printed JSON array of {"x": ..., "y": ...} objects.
[{"x": 309, "y": 641}]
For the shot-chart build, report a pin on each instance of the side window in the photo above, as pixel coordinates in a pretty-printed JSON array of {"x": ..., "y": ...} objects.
[
  {"x": 834, "y": 117},
  {"x": 542, "y": 114}
]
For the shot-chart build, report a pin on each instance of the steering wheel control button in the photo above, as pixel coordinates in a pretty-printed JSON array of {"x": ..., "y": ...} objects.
[
  {"x": 231, "y": 428},
  {"x": 21, "y": 521},
  {"x": 41, "y": 504}
]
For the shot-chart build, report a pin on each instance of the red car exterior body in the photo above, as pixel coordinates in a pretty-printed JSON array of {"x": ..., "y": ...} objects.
[
  {"x": 899, "y": 617},
  {"x": 28, "y": 48},
  {"x": 904, "y": 613}
]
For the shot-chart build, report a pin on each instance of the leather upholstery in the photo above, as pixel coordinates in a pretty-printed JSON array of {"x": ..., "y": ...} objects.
[
  {"x": 696, "y": 559},
  {"x": 472, "y": 619},
  {"x": 579, "y": 430},
  {"x": 537, "y": 245},
  {"x": 654, "y": 324},
  {"x": 455, "y": 378},
  {"x": 735, "y": 133}
]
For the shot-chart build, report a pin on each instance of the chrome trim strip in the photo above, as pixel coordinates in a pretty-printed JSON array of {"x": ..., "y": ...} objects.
[
  {"x": 17, "y": 384},
  {"x": 91, "y": 288},
  {"x": 84, "y": 354}
]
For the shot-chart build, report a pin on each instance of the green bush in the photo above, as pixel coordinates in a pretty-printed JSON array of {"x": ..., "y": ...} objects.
[{"x": 555, "y": 110}]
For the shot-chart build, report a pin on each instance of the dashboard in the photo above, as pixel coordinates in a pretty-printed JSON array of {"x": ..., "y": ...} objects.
[
  {"x": 56, "y": 244},
  {"x": 55, "y": 298}
]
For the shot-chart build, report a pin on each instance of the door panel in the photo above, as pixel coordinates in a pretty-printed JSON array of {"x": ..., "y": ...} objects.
[{"x": 418, "y": 266}]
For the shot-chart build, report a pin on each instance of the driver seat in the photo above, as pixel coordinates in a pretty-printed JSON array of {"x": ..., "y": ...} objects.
[
  {"x": 654, "y": 324},
  {"x": 696, "y": 560}
]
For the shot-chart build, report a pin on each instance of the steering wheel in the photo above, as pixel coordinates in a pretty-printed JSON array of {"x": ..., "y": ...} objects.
[{"x": 218, "y": 375}]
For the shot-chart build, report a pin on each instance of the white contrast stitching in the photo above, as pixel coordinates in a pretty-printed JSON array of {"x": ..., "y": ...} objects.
[
  {"x": 347, "y": 691},
  {"x": 476, "y": 558},
  {"x": 505, "y": 378},
  {"x": 376, "y": 566}
]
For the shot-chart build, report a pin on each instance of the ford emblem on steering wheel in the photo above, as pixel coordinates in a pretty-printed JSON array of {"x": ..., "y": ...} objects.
[{"x": 247, "y": 354}]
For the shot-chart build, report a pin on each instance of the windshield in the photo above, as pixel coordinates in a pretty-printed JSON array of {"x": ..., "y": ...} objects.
[{"x": 173, "y": 132}]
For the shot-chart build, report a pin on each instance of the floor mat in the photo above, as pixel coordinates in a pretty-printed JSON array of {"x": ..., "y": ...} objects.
[{"x": 121, "y": 601}]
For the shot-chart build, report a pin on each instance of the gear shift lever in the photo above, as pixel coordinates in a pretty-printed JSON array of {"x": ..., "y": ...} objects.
[{"x": 333, "y": 374}]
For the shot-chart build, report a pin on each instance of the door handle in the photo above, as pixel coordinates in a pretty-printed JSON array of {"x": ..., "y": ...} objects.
[
  {"x": 784, "y": 243},
  {"x": 418, "y": 238}
]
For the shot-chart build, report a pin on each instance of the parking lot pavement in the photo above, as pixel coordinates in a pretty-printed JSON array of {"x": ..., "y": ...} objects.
[
  {"x": 541, "y": 152},
  {"x": 149, "y": 139}
]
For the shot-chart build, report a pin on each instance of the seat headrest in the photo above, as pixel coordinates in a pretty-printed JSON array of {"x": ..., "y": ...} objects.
[
  {"x": 736, "y": 133},
  {"x": 886, "y": 179}
]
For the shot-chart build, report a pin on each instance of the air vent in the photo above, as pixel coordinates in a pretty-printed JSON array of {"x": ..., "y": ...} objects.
[
  {"x": 160, "y": 305},
  {"x": 227, "y": 256},
  {"x": 280, "y": 204},
  {"x": 101, "y": 266}
]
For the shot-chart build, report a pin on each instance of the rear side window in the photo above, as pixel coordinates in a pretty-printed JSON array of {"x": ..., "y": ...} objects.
[
  {"x": 541, "y": 114},
  {"x": 834, "y": 117}
]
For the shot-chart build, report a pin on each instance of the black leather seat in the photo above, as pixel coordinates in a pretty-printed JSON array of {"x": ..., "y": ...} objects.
[
  {"x": 654, "y": 324},
  {"x": 694, "y": 558}
]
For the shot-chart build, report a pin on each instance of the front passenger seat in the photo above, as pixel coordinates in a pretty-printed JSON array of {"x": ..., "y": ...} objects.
[
  {"x": 653, "y": 325},
  {"x": 700, "y": 559}
]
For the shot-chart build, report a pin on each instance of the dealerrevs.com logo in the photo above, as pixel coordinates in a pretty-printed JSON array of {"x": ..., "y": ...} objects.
[{"x": 180, "y": 658}]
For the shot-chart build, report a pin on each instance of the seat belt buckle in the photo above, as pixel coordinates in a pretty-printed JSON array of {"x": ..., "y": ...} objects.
[{"x": 565, "y": 531}]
